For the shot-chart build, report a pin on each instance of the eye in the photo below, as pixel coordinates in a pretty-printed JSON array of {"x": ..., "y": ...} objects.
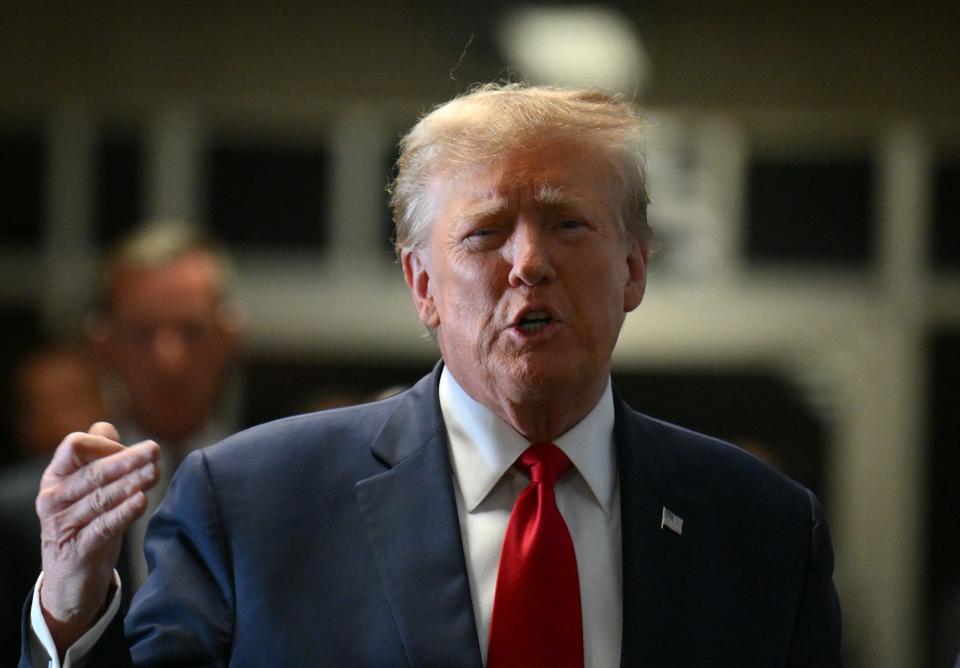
[
  {"x": 571, "y": 227},
  {"x": 482, "y": 232},
  {"x": 192, "y": 331},
  {"x": 137, "y": 333},
  {"x": 483, "y": 238}
]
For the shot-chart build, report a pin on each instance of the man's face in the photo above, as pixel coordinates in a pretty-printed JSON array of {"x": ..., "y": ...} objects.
[
  {"x": 170, "y": 341},
  {"x": 526, "y": 276}
]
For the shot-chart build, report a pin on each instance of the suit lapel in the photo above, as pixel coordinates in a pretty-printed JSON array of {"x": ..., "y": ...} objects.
[
  {"x": 656, "y": 561},
  {"x": 411, "y": 519}
]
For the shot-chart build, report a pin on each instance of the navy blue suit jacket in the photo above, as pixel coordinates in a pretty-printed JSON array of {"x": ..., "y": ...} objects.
[{"x": 332, "y": 539}]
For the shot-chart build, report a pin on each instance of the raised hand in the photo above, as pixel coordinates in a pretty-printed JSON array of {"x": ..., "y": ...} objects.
[{"x": 91, "y": 492}]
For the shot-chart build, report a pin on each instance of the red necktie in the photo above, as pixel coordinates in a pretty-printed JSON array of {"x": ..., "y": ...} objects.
[{"x": 536, "y": 609}]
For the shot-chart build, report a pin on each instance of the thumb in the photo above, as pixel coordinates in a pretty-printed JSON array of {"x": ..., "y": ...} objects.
[{"x": 105, "y": 429}]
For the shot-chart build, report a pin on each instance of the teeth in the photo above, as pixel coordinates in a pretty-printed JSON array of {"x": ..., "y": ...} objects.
[
  {"x": 533, "y": 326},
  {"x": 534, "y": 321}
]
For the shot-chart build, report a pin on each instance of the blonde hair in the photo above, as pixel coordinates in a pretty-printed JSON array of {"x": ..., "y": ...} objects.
[{"x": 486, "y": 122}]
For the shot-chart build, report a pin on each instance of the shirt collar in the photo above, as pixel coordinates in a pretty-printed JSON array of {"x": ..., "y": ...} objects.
[{"x": 483, "y": 446}]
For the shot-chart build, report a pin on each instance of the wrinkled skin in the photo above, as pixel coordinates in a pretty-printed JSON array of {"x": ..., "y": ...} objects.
[
  {"x": 90, "y": 493},
  {"x": 534, "y": 234}
]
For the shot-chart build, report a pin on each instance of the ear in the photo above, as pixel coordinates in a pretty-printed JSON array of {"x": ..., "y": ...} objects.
[
  {"x": 417, "y": 274},
  {"x": 637, "y": 257}
]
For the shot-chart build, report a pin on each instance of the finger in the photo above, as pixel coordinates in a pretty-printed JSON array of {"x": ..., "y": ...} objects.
[
  {"x": 111, "y": 525},
  {"x": 78, "y": 449},
  {"x": 104, "y": 499},
  {"x": 99, "y": 473},
  {"x": 106, "y": 430}
]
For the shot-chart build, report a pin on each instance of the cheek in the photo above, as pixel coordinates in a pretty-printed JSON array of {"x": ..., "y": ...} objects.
[
  {"x": 133, "y": 366},
  {"x": 473, "y": 298},
  {"x": 470, "y": 295},
  {"x": 603, "y": 301}
]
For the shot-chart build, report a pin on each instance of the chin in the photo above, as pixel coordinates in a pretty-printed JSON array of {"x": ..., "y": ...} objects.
[{"x": 541, "y": 379}]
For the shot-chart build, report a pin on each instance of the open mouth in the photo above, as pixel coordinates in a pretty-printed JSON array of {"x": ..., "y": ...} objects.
[{"x": 533, "y": 321}]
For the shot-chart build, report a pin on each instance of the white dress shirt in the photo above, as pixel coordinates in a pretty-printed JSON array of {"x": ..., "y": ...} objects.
[
  {"x": 483, "y": 449},
  {"x": 43, "y": 651}
]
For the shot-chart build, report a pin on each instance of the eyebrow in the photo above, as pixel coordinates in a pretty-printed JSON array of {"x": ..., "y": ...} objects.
[
  {"x": 557, "y": 197},
  {"x": 491, "y": 202}
]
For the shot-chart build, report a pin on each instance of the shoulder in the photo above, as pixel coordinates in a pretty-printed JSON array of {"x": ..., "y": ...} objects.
[
  {"x": 310, "y": 430},
  {"x": 264, "y": 473},
  {"x": 712, "y": 470},
  {"x": 331, "y": 437}
]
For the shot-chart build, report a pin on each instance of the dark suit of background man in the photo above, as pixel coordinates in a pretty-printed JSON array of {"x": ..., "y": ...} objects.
[{"x": 370, "y": 536}]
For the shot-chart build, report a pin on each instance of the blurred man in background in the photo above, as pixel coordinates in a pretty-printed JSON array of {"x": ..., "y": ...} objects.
[{"x": 167, "y": 335}]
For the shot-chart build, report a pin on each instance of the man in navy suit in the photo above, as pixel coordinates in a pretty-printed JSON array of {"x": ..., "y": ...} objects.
[{"x": 375, "y": 535}]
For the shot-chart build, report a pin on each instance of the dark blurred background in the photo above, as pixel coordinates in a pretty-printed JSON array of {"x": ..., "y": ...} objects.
[{"x": 805, "y": 176}]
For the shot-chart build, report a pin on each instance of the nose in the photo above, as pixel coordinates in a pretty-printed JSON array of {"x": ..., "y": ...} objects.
[
  {"x": 169, "y": 349},
  {"x": 529, "y": 255}
]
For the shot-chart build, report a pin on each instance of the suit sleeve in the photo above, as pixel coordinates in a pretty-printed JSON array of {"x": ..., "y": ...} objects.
[
  {"x": 816, "y": 635},
  {"x": 184, "y": 613}
]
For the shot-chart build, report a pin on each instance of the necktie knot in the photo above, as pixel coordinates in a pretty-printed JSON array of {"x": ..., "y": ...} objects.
[{"x": 544, "y": 463}]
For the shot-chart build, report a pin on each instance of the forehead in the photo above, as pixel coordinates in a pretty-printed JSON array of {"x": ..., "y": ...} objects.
[
  {"x": 191, "y": 280},
  {"x": 550, "y": 175}
]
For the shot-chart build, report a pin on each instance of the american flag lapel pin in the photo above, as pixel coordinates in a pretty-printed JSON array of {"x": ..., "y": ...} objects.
[{"x": 671, "y": 521}]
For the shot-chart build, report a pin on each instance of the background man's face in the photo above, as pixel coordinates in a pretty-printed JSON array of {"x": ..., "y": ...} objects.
[
  {"x": 169, "y": 340},
  {"x": 527, "y": 276}
]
